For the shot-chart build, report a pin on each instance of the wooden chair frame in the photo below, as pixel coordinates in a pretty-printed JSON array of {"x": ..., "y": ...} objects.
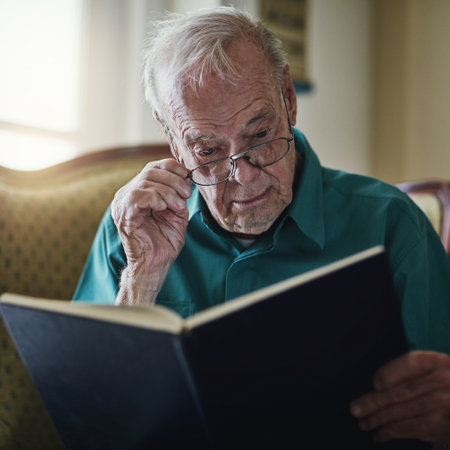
[
  {"x": 151, "y": 151},
  {"x": 441, "y": 189}
]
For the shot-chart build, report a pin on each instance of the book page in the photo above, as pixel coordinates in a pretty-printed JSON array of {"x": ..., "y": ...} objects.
[{"x": 152, "y": 317}]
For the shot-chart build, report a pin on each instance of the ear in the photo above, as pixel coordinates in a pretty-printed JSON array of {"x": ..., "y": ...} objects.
[
  {"x": 168, "y": 135},
  {"x": 290, "y": 95}
]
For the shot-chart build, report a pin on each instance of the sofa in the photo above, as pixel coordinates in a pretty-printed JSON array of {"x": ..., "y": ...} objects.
[{"x": 48, "y": 220}]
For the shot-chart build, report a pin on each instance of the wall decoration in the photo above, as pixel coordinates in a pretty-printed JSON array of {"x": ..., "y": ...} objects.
[{"x": 288, "y": 20}]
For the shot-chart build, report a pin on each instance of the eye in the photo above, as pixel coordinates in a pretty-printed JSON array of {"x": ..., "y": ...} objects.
[
  {"x": 262, "y": 134},
  {"x": 206, "y": 152}
]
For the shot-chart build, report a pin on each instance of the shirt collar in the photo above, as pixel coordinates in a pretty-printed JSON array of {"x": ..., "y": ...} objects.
[
  {"x": 195, "y": 202},
  {"x": 306, "y": 208}
]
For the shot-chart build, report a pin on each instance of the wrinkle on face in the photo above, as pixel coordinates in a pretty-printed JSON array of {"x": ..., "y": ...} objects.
[{"x": 231, "y": 114}]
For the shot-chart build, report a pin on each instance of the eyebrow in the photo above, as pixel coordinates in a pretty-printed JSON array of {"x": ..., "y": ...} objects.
[
  {"x": 203, "y": 137},
  {"x": 260, "y": 116}
]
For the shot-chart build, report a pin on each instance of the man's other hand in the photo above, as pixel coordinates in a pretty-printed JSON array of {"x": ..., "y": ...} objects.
[{"x": 411, "y": 399}]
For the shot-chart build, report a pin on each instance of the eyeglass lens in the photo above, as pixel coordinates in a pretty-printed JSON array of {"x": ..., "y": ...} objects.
[{"x": 260, "y": 156}]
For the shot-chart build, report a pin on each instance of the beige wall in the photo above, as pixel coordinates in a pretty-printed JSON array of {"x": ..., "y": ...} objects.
[
  {"x": 336, "y": 116},
  {"x": 411, "y": 90}
]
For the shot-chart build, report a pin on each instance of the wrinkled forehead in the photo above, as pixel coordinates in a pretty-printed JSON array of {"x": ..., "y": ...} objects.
[{"x": 219, "y": 108}]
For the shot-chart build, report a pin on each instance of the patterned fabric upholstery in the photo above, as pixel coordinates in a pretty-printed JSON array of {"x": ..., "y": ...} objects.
[
  {"x": 433, "y": 209},
  {"x": 433, "y": 197},
  {"x": 48, "y": 220}
]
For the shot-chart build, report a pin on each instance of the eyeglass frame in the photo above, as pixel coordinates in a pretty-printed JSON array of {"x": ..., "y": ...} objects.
[
  {"x": 243, "y": 154},
  {"x": 235, "y": 158}
]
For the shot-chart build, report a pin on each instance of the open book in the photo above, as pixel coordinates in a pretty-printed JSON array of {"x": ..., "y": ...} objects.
[{"x": 279, "y": 365}]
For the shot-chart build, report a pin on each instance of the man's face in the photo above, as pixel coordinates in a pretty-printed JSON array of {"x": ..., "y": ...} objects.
[{"x": 225, "y": 119}]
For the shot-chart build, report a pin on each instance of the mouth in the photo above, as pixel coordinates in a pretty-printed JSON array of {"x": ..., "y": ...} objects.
[{"x": 253, "y": 201}]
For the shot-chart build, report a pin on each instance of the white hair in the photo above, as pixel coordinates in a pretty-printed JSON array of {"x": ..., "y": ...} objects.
[{"x": 184, "y": 48}]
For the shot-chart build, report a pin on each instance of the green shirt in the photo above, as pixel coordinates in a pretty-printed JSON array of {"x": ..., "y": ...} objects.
[{"x": 333, "y": 215}]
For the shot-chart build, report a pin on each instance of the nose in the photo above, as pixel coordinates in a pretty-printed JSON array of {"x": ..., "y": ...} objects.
[{"x": 244, "y": 171}]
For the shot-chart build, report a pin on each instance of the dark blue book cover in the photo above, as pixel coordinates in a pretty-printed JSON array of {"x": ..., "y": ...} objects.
[{"x": 274, "y": 369}]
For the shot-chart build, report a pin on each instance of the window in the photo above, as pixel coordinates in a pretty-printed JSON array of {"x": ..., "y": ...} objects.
[{"x": 40, "y": 81}]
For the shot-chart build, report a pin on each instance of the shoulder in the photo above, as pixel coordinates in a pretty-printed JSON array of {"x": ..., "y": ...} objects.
[
  {"x": 371, "y": 192},
  {"x": 381, "y": 205},
  {"x": 347, "y": 187},
  {"x": 361, "y": 186},
  {"x": 370, "y": 206}
]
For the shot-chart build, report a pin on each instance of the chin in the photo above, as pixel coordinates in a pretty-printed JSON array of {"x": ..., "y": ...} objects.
[
  {"x": 253, "y": 221},
  {"x": 250, "y": 226}
]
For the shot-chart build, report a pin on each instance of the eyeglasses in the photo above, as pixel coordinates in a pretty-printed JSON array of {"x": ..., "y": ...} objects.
[{"x": 221, "y": 170}]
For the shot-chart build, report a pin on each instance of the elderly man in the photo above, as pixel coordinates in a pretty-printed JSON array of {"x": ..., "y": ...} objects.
[{"x": 245, "y": 203}]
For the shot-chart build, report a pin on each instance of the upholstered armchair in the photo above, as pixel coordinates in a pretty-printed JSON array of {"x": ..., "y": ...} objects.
[{"x": 48, "y": 220}]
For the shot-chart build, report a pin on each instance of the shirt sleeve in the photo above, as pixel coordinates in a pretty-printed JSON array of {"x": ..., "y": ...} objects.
[
  {"x": 99, "y": 282},
  {"x": 422, "y": 278}
]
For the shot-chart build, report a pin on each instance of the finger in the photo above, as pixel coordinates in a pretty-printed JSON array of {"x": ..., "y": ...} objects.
[
  {"x": 411, "y": 365},
  {"x": 154, "y": 198},
  {"x": 164, "y": 181},
  {"x": 169, "y": 164},
  {"x": 168, "y": 172},
  {"x": 437, "y": 381},
  {"x": 434, "y": 429},
  {"x": 418, "y": 407}
]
